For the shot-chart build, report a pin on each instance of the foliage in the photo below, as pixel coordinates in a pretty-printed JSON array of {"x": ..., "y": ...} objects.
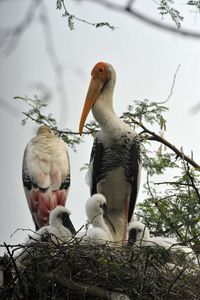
[
  {"x": 174, "y": 211},
  {"x": 60, "y": 4},
  {"x": 35, "y": 114},
  {"x": 194, "y": 3},
  {"x": 165, "y": 9}
]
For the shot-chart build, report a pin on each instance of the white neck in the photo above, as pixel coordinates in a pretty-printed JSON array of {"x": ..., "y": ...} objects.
[
  {"x": 104, "y": 113},
  {"x": 99, "y": 222},
  {"x": 59, "y": 226}
]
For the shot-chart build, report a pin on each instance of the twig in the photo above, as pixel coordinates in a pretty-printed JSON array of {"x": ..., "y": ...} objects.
[
  {"x": 54, "y": 59},
  {"x": 172, "y": 183},
  {"x": 71, "y": 17},
  {"x": 174, "y": 281},
  {"x": 17, "y": 272},
  {"x": 13, "y": 34},
  {"x": 85, "y": 288},
  {"x": 172, "y": 86},
  {"x": 160, "y": 210},
  {"x": 53, "y": 128},
  {"x": 155, "y": 137},
  {"x": 193, "y": 185},
  {"x": 147, "y": 19}
]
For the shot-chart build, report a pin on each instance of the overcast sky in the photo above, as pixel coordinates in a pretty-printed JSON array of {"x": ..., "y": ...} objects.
[{"x": 145, "y": 59}]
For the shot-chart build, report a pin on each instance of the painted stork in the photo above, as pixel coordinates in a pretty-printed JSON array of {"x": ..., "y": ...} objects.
[
  {"x": 96, "y": 211},
  {"x": 46, "y": 174},
  {"x": 138, "y": 234},
  {"x": 115, "y": 161}
]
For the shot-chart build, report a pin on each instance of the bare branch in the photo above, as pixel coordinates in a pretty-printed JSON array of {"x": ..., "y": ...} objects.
[
  {"x": 192, "y": 180},
  {"x": 146, "y": 19},
  {"x": 53, "y": 57},
  {"x": 85, "y": 288},
  {"x": 11, "y": 36},
  {"x": 172, "y": 86},
  {"x": 9, "y": 108},
  {"x": 156, "y": 203},
  {"x": 155, "y": 137},
  {"x": 16, "y": 270}
]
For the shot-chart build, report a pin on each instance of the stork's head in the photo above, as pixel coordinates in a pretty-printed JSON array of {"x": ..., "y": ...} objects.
[
  {"x": 96, "y": 206},
  {"x": 43, "y": 129},
  {"x": 103, "y": 75},
  {"x": 137, "y": 231},
  {"x": 61, "y": 215}
]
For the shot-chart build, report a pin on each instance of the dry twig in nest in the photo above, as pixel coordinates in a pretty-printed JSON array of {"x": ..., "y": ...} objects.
[{"x": 87, "y": 271}]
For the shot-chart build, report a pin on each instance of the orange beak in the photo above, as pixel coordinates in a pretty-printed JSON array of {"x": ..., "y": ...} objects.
[{"x": 99, "y": 78}]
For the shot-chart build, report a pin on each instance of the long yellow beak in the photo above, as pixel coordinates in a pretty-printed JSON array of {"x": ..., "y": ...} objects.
[{"x": 95, "y": 87}]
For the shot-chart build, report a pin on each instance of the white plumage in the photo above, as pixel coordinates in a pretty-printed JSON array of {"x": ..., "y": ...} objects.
[
  {"x": 138, "y": 234},
  {"x": 46, "y": 174},
  {"x": 59, "y": 230},
  {"x": 60, "y": 227},
  {"x": 96, "y": 208}
]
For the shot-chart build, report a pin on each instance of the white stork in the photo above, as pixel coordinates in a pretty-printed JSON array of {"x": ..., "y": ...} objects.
[
  {"x": 96, "y": 211},
  {"x": 46, "y": 174},
  {"x": 138, "y": 234},
  {"x": 115, "y": 161}
]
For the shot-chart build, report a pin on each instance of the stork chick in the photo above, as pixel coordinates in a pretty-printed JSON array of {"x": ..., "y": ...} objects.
[{"x": 96, "y": 211}]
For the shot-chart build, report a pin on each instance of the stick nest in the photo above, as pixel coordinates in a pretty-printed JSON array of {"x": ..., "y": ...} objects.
[{"x": 75, "y": 270}]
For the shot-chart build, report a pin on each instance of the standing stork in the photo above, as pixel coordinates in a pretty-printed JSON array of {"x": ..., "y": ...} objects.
[
  {"x": 115, "y": 161},
  {"x": 46, "y": 174}
]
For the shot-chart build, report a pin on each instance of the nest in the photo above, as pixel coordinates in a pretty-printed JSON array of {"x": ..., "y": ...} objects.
[{"x": 76, "y": 271}]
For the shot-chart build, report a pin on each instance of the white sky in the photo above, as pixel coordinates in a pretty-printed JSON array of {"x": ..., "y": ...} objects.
[{"x": 145, "y": 60}]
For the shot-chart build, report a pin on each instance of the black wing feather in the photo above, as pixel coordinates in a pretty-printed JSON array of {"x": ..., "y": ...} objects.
[
  {"x": 95, "y": 159},
  {"x": 135, "y": 166}
]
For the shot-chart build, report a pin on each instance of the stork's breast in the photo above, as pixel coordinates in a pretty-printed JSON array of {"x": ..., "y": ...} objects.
[{"x": 115, "y": 188}]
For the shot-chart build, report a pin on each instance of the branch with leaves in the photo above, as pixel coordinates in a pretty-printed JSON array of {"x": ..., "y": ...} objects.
[
  {"x": 144, "y": 111},
  {"x": 60, "y": 4},
  {"x": 164, "y": 9}
]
